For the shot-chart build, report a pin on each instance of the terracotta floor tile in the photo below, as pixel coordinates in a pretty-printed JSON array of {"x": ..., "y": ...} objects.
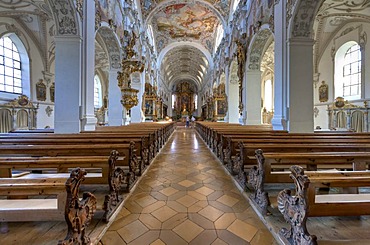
[
  {"x": 146, "y": 201},
  {"x": 153, "y": 207},
  {"x": 243, "y": 230},
  {"x": 169, "y": 191},
  {"x": 186, "y": 183},
  {"x": 197, "y": 195},
  {"x": 218, "y": 241},
  {"x": 206, "y": 237},
  {"x": 112, "y": 237},
  {"x": 225, "y": 221},
  {"x": 197, "y": 207},
  {"x": 228, "y": 200},
  {"x": 150, "y": 221},
  {"x": 170, "y": 237},
  {"x": 204, "y": 191},
  {"x": 211, "y": 213},
  {"x": 164, "y": 213},
  {"x": 187, "y": 200},
  {"x": 146, "y": 239},
  {"x": 158, "y": 242},
  {"x": 188, "y": 230},
  {"x": 174, "y": 221},
  {"x": 132, "y": 231}
]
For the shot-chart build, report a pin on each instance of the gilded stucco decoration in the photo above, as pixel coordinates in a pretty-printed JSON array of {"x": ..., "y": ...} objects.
[{"x": 65, "y": 17}]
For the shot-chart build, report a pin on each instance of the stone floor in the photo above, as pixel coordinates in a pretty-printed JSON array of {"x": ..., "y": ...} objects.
[{"x": 186, "y": 197}]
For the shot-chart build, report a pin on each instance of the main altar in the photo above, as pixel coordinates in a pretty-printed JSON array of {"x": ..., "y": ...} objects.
[{"x": 184, "y": 100}]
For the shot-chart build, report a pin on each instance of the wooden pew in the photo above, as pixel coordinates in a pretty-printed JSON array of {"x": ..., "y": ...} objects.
[
  {"x": 141, "y": 142},
  {"x": 307, "y": 203},
  {"x": 127, "y": 150},
  {"x": 32, "y": 209},
  {"x": 144, "y": 143},
  {"x": 245, "y": 156},
  {"x": 53, "y": 184},
  {"x": 311, "y": 161}
]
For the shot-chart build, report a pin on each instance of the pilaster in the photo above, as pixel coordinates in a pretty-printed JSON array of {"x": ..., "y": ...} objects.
[
  {"x": 88, "y": 120},
  {"x": 279, "y": 121},
  {"x": 253, "y": 98},
  {"x": 115, "y": 115},
  {"x": 301, "y": 118},
  {"x": 67, "y": 84}
]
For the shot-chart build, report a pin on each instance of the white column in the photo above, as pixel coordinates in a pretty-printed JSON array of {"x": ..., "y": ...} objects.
[
  {"x": 253, "y": 98},
  {"x": 279, "y": 121},
  {"x": 301, "y": 118},
  {"x": 115, "y": 115},
  {"x": 170, "y": 104},
  {"x": 136, "y": 111},
  {"x": 67, "y": 84},
  {"x": 88, "y": 67},
  {"x": 243, "y": 116},
  {"x": 232, "y": 91}
]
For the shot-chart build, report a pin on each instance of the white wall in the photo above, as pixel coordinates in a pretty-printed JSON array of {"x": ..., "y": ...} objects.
[
  {"x": 36, "y": 68},
  {"x": 326, "y": 69}
]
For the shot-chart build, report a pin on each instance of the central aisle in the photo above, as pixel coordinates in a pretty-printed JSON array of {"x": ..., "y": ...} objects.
[{"x": 186, "y": 198}]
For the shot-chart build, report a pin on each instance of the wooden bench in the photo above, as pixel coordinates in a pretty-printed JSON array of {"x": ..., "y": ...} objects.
[
  {"x": 245, "y": 157},
  {"x": 60, "y": 163},
  {"x": 32, "y": 209},
  {"x": 311, "y": 161},
  {"x": 144, "y": 144},
  {"x": 307, "y": 202},
  {"x": 54, "y": 184},
  {"x": 128, "y": 150}
]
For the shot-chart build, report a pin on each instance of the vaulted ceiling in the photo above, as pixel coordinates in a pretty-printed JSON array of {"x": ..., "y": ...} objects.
[
  {"x": 184, "y": 62},
  {"x": 190, "y": 29}
]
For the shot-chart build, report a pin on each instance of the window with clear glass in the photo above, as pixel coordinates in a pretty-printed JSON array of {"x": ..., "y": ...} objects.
[
  {"x": 268, "y": 95},
  {"x": 97, "y": 92},
  {"x": 352, "y": 72},
  {"x": 348, "y": 71},
  {"x": 10, "y": 67}
]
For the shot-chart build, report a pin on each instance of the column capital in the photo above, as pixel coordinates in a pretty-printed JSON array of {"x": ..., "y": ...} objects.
[
  {"x": 64, "y": 39},
  {"x": 301, "y": 41}
]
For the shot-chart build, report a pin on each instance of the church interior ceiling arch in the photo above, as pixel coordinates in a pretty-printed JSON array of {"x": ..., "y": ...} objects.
[
  {"x": 176, "y": 22},
  {"x": 331, "y": 17},
  {"x": 184, "y": 60}
]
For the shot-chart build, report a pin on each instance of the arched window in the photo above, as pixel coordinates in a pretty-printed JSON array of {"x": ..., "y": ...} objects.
[
  {"x": 195, "y": 102},
  {"x": 268, "y": 95},
  {"x": 10, "y": 67},
  {"x": 97, "y": 92},
  {"x": 348, "y": 71}
]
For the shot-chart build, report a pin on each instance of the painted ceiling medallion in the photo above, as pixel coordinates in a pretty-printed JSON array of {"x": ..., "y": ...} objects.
[{"x": 186, "y": 21}]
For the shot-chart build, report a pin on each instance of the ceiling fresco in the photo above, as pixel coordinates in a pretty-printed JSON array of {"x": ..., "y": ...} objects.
[
  {"x": 181, "y": 22},
  {"x": 222, "y": 6}
]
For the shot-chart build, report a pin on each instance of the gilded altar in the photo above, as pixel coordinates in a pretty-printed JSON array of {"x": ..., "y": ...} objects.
[
  {"x": 184, "y": 103},
  {"x": 344, "y": 115},
  {"x": 220, "y": 102}
]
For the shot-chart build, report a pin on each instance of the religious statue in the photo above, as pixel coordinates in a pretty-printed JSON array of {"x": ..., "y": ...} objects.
[{"x": 240, "y": 54}]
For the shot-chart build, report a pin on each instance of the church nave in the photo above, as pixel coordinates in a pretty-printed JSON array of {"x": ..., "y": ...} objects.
[{"x": 186, "y": 197}]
